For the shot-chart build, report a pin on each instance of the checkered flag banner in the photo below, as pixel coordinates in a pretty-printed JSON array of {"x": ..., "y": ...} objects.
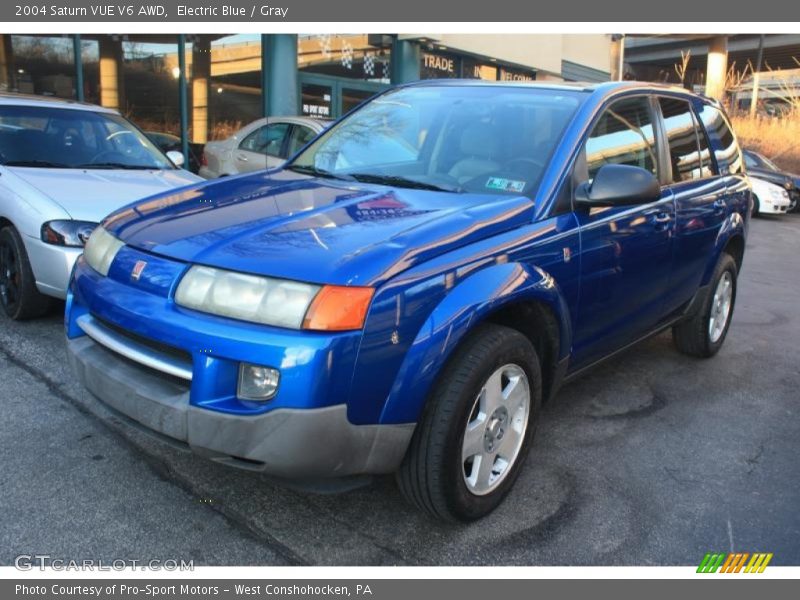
[{"x": 347, "y": 55}]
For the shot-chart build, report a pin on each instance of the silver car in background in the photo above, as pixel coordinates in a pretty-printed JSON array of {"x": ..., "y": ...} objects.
[
  {"x": 63, "y": 167},
  {"x": 263, "y": 144}
]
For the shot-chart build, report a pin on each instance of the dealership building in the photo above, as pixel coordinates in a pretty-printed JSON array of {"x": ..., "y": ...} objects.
[{"x": 207, "y": 85}]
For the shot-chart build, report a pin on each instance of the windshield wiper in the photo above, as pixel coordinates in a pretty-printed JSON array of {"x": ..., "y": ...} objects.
[
  {"x": 400, "y": 181},
  {"x": 114, "y": 165},
  {"x": 309, "y": 170},
  {"x": 41, "y": 164}
]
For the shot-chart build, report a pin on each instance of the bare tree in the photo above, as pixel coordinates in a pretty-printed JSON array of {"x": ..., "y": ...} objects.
[{"x": 682, "y": 67}]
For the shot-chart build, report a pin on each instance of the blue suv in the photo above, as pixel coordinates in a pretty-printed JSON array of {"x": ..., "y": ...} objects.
[{"x": 407, "y": 290}]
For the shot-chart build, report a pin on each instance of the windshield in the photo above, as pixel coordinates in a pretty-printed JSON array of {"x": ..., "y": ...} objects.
[
  {"x": 479, "y": 139},
  {"x": 37, "y": 136},
  {"x": 755, "y": 160}
]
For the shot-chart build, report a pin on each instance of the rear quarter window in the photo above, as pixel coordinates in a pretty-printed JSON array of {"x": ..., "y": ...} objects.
[
  {"x": 723, "y": 141},
  {"x": 685, "y": 150}
]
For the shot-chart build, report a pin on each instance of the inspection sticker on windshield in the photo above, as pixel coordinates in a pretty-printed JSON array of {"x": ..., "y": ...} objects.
[{"x": 505, "y": 185}]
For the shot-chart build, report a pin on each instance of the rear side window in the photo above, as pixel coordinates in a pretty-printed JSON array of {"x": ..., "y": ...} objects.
[
  {"x": 685, "y": 152},
  {"x": 266, "y": 140},
  {"x": 623, "y": 136},
  {"x": 728, "y": 155}
]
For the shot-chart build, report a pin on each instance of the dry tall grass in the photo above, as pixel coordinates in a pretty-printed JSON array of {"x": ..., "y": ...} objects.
[{"x": 776, "y": 138}]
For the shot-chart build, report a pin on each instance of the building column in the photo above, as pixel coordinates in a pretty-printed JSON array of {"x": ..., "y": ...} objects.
[
  {"x": 617, "y": 57},
  {"x": 111, "y": 92},
  {"x": 201, "y": 74},
  {"x": 717, "y": 69},
  {"x": 7, "y": 79},
  {"x": 77, "y": 57},
  {"x": 280, "y": 84},
  {"x": 405, "y": 61}
]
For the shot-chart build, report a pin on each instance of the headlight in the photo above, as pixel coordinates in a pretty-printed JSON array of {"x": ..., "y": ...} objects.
[
  {"x": 778, "y": 193},
  {"x": 67, "y": 233},
  {"x": 246, "y": 297},
  {"x": 270, "y": 301},
  {"x": 100, "y": 250}
]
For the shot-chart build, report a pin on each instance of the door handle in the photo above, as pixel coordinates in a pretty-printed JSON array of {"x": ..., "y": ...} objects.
[
  {"x": 242, "y": 157},
  {"x": 719, "y": 203}
]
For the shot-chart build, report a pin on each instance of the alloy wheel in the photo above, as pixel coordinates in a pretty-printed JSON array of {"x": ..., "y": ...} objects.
[
  {"x": 495, "y": 429},
  {"x": 720, "y": 307}
]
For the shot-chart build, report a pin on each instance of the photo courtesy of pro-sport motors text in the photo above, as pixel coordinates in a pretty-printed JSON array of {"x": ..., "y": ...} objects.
[{"x": 368, "y": 299}]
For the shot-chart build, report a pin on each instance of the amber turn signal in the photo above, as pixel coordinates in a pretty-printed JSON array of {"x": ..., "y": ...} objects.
[{"x": 338, "y": 308}]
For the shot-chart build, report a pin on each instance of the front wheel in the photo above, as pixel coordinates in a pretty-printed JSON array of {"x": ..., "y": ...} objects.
[
  {"x": 704, "y": 333},
  {"x": 19, "y": 296},
  {"x": 477, "y": 428},
  {"x": 755, "y": 212}
]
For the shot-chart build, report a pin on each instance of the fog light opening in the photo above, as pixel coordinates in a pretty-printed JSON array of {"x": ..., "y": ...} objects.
[{"x": 257, "y": 383}]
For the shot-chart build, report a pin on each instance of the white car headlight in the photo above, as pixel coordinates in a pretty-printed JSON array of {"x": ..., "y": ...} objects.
[
  {"x": 100, "y": 250},
  {"x": 246, "y": 297}
]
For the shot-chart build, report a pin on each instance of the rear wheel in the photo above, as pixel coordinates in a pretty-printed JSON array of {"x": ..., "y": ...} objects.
[
  {"x": 704, "y": 333},
  {"x": 476, "y": 430},
  {"x": 18, "y": 294}
]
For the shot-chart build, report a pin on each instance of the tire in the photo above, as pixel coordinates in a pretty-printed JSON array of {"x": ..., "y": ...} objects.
[
  {"x": 434, "y": 474},
  {"x": 755, "y": 212},
  {"x": 696, "y": 336},
  {"x": 18, "y": 294}
]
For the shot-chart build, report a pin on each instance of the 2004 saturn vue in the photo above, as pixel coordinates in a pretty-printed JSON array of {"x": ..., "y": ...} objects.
[{"x": 406, "y": 291}]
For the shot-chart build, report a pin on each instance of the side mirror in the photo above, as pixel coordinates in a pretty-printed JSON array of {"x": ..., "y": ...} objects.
[
  {"x": 619, "y": 185},
  {"x": 176, "y": 158}
]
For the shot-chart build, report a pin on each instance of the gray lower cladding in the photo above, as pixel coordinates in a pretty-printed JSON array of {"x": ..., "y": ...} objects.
[{"x": 291, "y": 443}]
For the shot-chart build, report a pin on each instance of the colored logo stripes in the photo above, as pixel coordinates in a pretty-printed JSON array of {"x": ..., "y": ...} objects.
[{"x": 734, "y": 562}]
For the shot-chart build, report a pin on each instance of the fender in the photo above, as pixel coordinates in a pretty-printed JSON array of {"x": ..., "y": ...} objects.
[
  {"x": 733, "y": 225},
  {"x": 455, "y": 316}
]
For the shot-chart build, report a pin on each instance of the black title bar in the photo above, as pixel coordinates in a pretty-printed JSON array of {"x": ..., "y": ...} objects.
[{"x": 472, "y": 11}]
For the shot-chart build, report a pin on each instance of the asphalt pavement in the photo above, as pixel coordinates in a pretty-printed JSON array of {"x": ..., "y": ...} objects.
[{"x": 653, "y": 458}]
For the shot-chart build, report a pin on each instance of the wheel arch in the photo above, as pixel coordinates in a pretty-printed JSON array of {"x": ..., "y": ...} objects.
[
  {"x": 735, "y": 247},
  {"x": 536, "y": 320},
  {"x": 519, "y": 296},
  {"x": 731, "y": 238}
]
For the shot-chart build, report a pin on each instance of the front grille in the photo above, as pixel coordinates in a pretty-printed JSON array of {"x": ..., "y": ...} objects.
[
  {"x": 149, "y": 354},
  {"x": 157, "y": 346}
]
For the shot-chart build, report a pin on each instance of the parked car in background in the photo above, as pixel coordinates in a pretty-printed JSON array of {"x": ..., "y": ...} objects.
[
  {"x": 768, "y": 198},
  {"x": 263, "y": 144},
  {"x": 63, "y": 167},
  {"x": 761, "y": 167},
  {"x": 172, "y": 143},
  {"x": 407, "y": 291}
]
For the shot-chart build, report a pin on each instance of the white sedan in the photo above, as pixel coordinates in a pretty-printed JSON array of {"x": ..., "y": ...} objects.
[
  {"x": 263, "y": 144},
  {"x": 63, "y": 167},
  {"x": 768, "y": 198}
]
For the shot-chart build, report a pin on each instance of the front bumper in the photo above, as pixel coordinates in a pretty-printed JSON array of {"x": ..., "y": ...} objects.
[
  {"x": 175, "y": 372},
  {"x": 774, "y": 207},
  {"x": 291, "y": 443},
  {"x": 51, "y": 265}
]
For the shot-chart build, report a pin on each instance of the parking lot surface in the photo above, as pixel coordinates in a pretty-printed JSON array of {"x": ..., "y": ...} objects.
[{"x": 653, "y": 458}]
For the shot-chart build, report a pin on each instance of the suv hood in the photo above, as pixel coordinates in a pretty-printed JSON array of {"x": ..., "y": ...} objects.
[
  {"x": 90, "y": 194},
  {"x": 293, "y": 226}
]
